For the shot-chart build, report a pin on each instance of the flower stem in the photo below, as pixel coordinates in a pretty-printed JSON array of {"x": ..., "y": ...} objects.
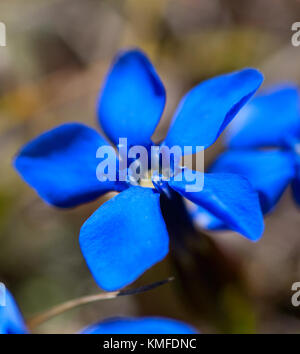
[
  {"x": 212, "y": 282},
  {"x": 68, "y": 305}
]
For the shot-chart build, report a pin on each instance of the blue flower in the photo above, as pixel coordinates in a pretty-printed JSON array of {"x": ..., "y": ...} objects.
[
  {"x": 143, "y": 325},
  {"x": 270, "y": 120},
  {"x": 127, "y": 235},
  {"x": 12, "y": 322}
]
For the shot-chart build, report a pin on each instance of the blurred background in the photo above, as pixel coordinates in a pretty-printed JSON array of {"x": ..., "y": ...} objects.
[{"x": 51, "y": 70}]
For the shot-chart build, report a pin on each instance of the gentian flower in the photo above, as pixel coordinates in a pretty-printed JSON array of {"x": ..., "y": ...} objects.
[
  {"x": 263, "y": 143},
  {"x": 142, "y": 325},
  {"x": 127, "y": 234},
  {"x": 12, "y": 322}
]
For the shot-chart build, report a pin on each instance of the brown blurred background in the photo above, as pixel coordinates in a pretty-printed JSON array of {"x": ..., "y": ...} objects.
[{"x": 51, "y": 70}]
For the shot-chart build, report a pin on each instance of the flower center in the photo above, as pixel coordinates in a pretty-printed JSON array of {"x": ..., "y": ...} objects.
[
  {"x": 156, "y": 171},
  {"x": 151, "y": 179}
]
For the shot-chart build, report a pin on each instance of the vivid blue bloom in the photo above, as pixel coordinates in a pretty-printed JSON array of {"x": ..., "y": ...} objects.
[
  {"x": 270, "y": 120},
  {"x": 143, "y": 325},
  {"x": 127, "y": 235},
  {"x": 12, "y": 322}
]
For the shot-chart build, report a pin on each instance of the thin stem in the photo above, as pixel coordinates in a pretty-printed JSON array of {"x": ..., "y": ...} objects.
[{"x": 68, "y": 305}]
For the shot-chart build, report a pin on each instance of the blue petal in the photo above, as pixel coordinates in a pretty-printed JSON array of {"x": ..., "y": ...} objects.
[
  {"x": 296, "y": 190},
  {"x": 11, "y": 320},
  {"x": 132, "y": 99},
  {"x": 230, "y": 198},
  {"x": 207, "y": 109},
  {"x": 269, "y": 172},
  {"x": 124, "y": 237},
  {"x": 267, "y": 120},
  {"x": 204, "y": 219},
  {"x": 61, "y": 165},
  {"x": 296, "y": 182},
  {"x": 145, "y": 325}
]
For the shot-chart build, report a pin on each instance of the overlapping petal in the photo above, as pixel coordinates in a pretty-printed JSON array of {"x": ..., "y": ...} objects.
[
  {"x": 296, "y": 181},
  {"x": 208, "y": 108},
  {"x": 144, "y": 325},
  {"x": 11, "y": 320},
  {"x": 229, "y": 197},
  {"x": 124, "y": 237},
  {"x": 61, "y": 165},
  {"x": 267, "y": 120},
  {"x": 296, "y": 190},
  {"x": 204, "y": 219},
  {"x": 132, "y": 99},
  {"x": 269, "y": 172}
]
